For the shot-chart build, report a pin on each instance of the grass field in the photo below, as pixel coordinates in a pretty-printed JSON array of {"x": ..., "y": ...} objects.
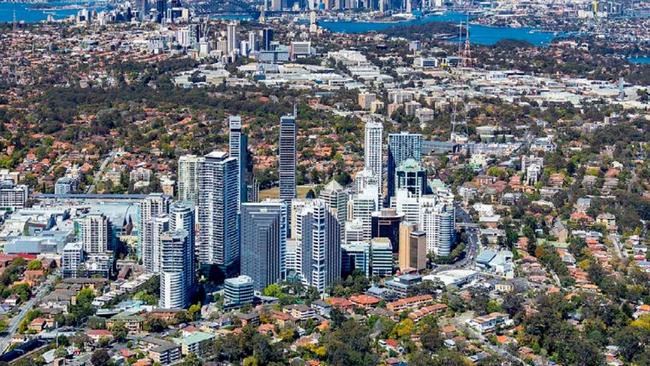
[{"x": 275, "y": 192}]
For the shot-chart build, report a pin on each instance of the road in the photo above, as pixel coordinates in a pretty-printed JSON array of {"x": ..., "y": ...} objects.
[
  {"x": 460, "y": 323},
  {"x": 616, "y": 241},
  {"x": 24, "y": 309},
  {"x": 98, "y": 173}
]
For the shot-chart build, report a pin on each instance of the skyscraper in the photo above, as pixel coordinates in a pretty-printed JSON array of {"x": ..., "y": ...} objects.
[
  {"x": 321, "y": 245},
  {"x": 337, "y": 198},
  {"x": 181, "y": 217},
  {"x": 287, "y": 159},
  {"x": 437, "y": 221},
  {"x": 188, "y": 177},
  {"x": 160, "y": 226},
  {"x": 94, "y": 233},
  {"x": 385, "y": 224},
  {"x": 401, "y": 146},
  {"x": 267, "y": 38},
  {"x": 252, "y": 41},
  {"x": 362, "y": 205},
  {"x": 373, "y": 160},
  {"x": 263, "y": 241},
  {"x": 218, "y": 239},
  {"x": 410, "y": 175},
  {"x": 161, "y": 10},
  {"x": 238, "y": 149},
  {"x": 152, "y": 206},
  {"x": 175, "y": 288},
  {"x": 231, "y": 29}
]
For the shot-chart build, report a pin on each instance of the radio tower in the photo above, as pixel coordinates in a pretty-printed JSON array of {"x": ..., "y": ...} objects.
[{"x": 467, "y": 52}]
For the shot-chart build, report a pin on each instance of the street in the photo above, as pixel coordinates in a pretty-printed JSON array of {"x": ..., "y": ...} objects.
[{"x": 24, "y": 309}]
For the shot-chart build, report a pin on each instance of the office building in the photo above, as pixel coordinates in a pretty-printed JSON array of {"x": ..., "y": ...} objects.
[
  {"x": 188, "y": 177},
  {"x": 410, "y": 175},
  {"x": 373, "y": 158},
  {"x": 218, "y": 237},
  {"x": 93, "y": 232},
  {"x": 12, "y": 195},
  {"x": 401, "y": 146},
  {"x": 337, "y": 199},
  {"x": 354, "y": 257},
  {"x": 238, "y": 292},
  {"x": 321, "y": 245},
  {"x": 153, "y": 205},
  {"x": 161, "y": 10},
  {"x": 408, "y": 204},
  {"x": 385, "y": 224},
  {"x": 287, "y": 158},
  {"x": 263, "y": 242},
  {"x": 354, "y": 231},
  {"x": 380, "y": 258},
  {"x": 415, "y": 251},
  {"x": 72, "y": 259},
  {"x": 267, "y": 38},
  {"x": 175, "y": 289},
  {"x": 362, "y": 205}
]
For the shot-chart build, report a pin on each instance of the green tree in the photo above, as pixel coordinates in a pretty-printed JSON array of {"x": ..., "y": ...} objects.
[
  {"x": 119, "y": 331},
  {"x": 34, "y": 265},
  {"x": 100, "y": 358}
]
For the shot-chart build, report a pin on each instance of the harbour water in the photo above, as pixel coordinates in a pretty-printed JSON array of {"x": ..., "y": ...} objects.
[
  {"x": 32, "y": 13},
  {"x": 644, "y": 60},
  {"x": 479, "y": 34}
]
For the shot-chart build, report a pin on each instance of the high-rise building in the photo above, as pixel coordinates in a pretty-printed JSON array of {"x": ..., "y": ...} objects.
[
  {"x": 143, "y": 8},
  {"x": 267, "y": 37},
  {"x": 381, "y": 257},
  {"x": 321, "y": 245},
  {"x": 405, "y": 230},
  {"x": 188, "y": 177},
  {"x": 415, "y": 255},
  {"x": 252, "y": 42},
  {"x": 411, "y": 176},
  {"x": 373, "y": 159},
  {"x": 238, "y": 292},
  {"x": 437, "y": 221},
  {"x": 161, "y": 10},
  {"x": 182, "y": 217},
  {"x": 218, "y": 238},
  {"x": 354, "y": 257},
  {"x": 362, "y": 205},
  {"x": 72, "y": 259},
  {"x": 175, "y": 289},
  {"x": 337, "y": 198},
  {"x": 150, "y": 207},
  {"x": 287, "y": 158},
  {"x": 385, "y": 224},
  {"x": 231, "y": 34},
  {"x": 263, "y": 241},
  {"x": 408, "y": 204},
  {"x": 401, "y": 146},
  {"x": 354, "y": 231},
  {"x": 94, "y": 233},
  {"x": 238, "y": 149},
  {"x": 160, "y": 226}
]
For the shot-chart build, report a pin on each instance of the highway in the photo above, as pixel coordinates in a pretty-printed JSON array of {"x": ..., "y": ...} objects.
[{"x": 43, "y": 290}]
